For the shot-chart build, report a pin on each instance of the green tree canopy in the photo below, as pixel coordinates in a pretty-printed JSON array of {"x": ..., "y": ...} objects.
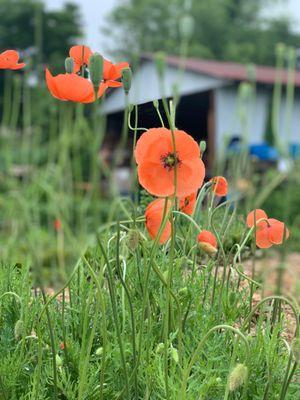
[
  {"x": 224, "y": 29},
  {"x": 28, "y": 25}
]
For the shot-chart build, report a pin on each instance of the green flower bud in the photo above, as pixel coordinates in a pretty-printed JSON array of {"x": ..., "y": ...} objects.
[
  {"x": 238, "y": 377},
  {"x": 280, "y": 49},
  {"x": 133, "y": 239},
  {"x": 251, "y": 71},
  {"x": 160, "y": 348},
  {"x": 160, "y": 61},
  {"x": 202, "y": 146},
  {"x": 96, "y": 69},
  {"x": 19, "y": 329},
  {"x": 126, "y": 79},
  {"x": 69, "y": 65},
  {"x": 99, "y": 351},
  {"x": 186, "y": 26},
  {"x": 156, "y": 103},
  {"x": 174, "y": 354},
  {"x": 296, "y": 349},
  {"x": 59, "y": 361}
]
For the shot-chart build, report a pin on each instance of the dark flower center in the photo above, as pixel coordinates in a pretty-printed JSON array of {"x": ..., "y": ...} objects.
[{"x": 170, "y": 160}]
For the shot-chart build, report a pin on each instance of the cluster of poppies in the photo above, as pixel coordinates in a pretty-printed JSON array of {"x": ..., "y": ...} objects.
[
  {"x": 75, "y": 85},
  {"x": 169, "y": 166},
  {"x": 169, "y": 163}
]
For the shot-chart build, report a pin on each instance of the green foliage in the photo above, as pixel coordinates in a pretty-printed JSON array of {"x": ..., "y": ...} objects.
[
  {"x": 224, "y": 30},
  {"x": 28, "y": 25}
]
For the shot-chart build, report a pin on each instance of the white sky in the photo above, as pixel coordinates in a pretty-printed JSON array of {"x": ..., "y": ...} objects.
[{"x": 95, "y": 11}]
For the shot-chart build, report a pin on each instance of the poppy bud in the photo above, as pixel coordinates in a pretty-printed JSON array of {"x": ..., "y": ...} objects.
[
  {"x": 96, "y": 69},
  {"x": 202, "y": 146},
  {"x": 280, "y": 50},
  {"x": 59, "y": 361},
  {"x": 156, "y": 103},
  {"x": 69, "y": 65},
  {"x": 160, "y": 61},
  {"x": 251, "y": 72},
  {"x": 186, "y": 26},
  {"x": 99, "y": 351},
  {"x": 126, "y": 79},
  {"x": 296, "y": 349},
  {"x": 174, "y": 354},
  {"x": 238, "y": 377},
  {"x": 160, "y": 348},
  {"x": 19, "y": 329},
  {"x": 133, "y": 238}
]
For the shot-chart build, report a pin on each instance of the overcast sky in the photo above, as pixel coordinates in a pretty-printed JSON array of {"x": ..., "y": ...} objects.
[{"x": 94, "y": 12}]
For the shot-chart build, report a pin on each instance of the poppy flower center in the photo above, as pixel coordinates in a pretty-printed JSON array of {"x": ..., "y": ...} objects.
[{"x": 170, "y": 160}]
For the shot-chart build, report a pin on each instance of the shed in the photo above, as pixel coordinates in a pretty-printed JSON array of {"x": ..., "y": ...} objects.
[{"x": 210, "y": 105}]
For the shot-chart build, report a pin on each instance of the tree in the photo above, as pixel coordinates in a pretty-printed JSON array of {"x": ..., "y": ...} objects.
[
  {"x": 225, "y": 29},
  {"x": 27, "y": 25}
]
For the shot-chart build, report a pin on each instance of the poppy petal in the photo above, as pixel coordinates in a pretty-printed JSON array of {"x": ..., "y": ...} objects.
[{"x": 254, "y": 216}]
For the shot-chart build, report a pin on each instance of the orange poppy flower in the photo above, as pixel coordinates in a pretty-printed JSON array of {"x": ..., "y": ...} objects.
[
  {"x": 187, "y": 204},
  {"x": 154, "y": 214},
  {"x": 219, "y": 186},
  {"x": 156, "y": 159},
  {"x": 57, "y": 224},
  {"x": 9, "y": 59},
  {"x": 255, "y": 216},
  {"x": 113, "y": 72},
  {"x": 71, "y": 87},
  {"x": 269, "y": 231},
  {"x": 208, "y": 242},
  {"x": 81, "y": 56}
]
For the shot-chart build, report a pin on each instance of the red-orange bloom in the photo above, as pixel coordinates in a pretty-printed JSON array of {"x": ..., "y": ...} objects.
[
  {"x": 269, "y": 231},
  {"x": 187, "y": 203},
  {"x": 71, "y": 87},
  {"x": 9, "y": 59},
  {"x": 154, "y": 215},
  {"x": 255, "y": 216},
  {"x": 219, "y": 185},
  {"x": 156, "y": 159},
  {"x": 208, "y": 242},
  {"x": 81, "y": 56},
  {"x": 57, "y": 224},
  {"x": 113, "y": 72}
]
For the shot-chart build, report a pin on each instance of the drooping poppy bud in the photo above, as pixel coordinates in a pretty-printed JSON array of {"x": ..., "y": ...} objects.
[
  {"x": 69, "y": 65},
  {"x": 238, "y": 377},
  {"x": 126, "y": 79},
  {"x": 208, "y": 242},
  {"x": 96, "y": 69},
  {"x": 19, "y": 329},
  {"x": 186, "y": 26},
  {"x": 59, "y": 361},
  {"x": 133, "y": 239}
]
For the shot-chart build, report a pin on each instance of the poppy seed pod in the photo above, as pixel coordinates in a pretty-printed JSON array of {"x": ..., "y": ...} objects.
[
  {"x": 238, "y": 377},
  {"x": 69, "y": 65},
  {"x": 96, "y": 69},
  {"x": 186, "y": 26},
  {"x": 126, "y": 79}
]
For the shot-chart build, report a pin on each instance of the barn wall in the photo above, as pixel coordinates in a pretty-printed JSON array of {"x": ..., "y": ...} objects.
[
  {"x": 229, "y": 123},
  {"x": 145, "y": 86}
]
